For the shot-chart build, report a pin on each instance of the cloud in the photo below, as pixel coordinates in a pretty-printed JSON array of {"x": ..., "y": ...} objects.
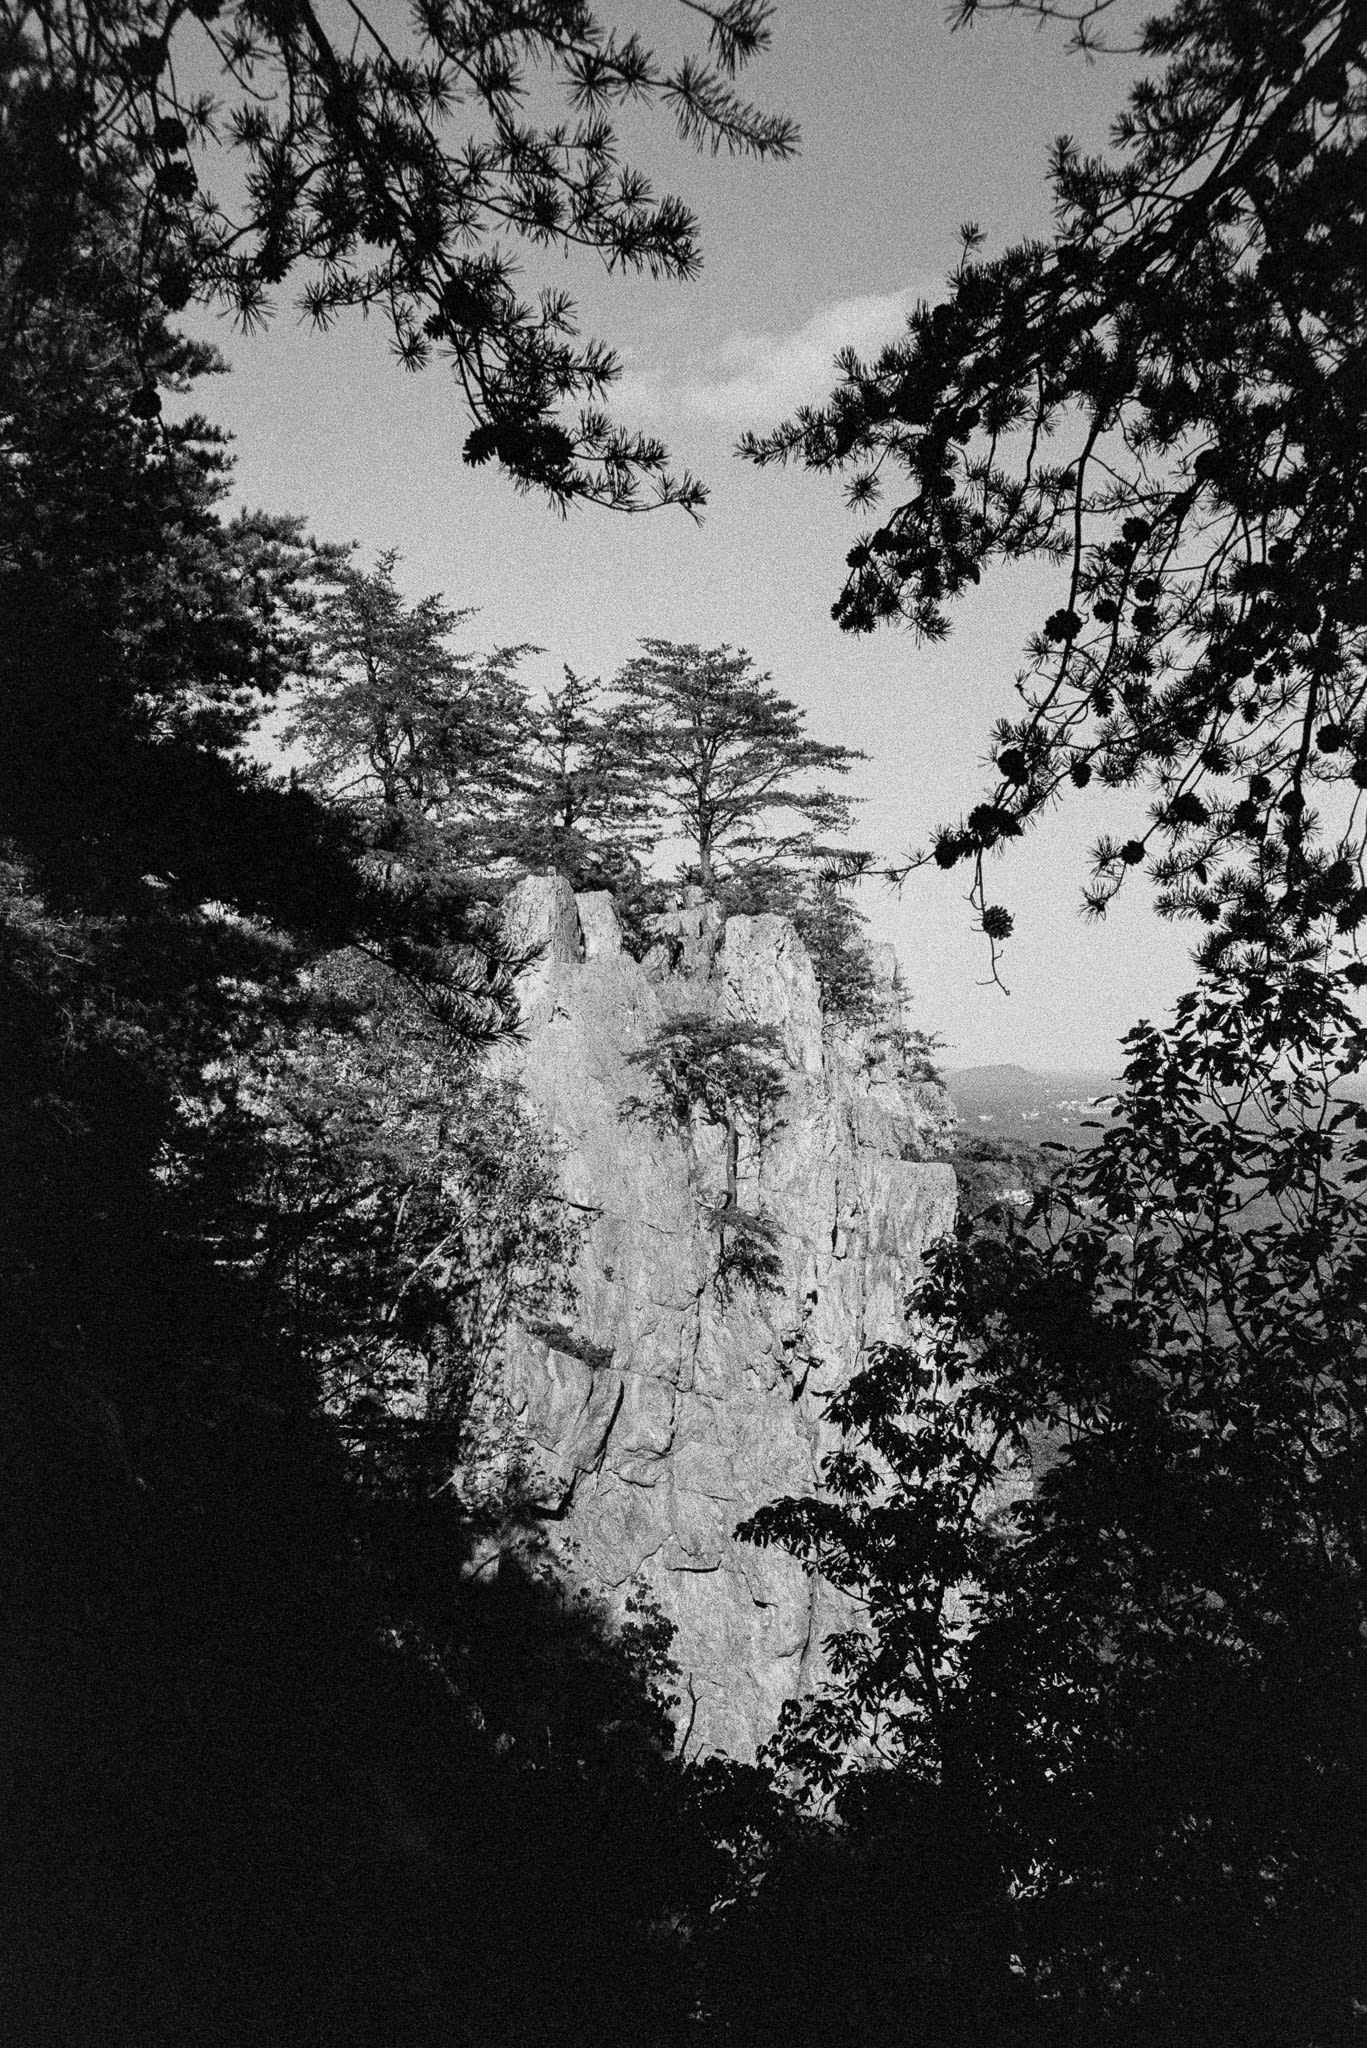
[
  {"x": 639, "y": 394},
  {"x": 754, "y": 379}
]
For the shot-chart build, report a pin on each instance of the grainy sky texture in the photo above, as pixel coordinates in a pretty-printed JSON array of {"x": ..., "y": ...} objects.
[{"x": 908, "y": 130}]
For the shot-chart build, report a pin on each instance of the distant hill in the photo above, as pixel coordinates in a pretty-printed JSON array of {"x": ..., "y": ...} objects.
[
  {"x": 1006, "y": 1112},
  {"x": 1018, "y": 1103}
]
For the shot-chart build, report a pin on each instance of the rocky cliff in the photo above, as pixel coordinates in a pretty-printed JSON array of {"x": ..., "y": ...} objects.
[{"x": 672, "y": 1400}]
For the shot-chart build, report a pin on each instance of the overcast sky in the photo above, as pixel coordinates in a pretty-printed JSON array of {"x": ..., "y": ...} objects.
[{"x": 908, "y": 130}]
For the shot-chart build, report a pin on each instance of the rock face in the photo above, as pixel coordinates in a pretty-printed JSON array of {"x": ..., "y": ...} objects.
[{"x": 669, "y": 1405}]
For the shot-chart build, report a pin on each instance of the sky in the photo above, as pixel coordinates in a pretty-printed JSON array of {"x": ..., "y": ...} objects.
[{"x": 907, "y": 131}]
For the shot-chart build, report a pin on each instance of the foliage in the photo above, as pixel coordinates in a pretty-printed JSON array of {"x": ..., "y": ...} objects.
[
  {"x": 146, "y": 637},
  {"x": 731, "y": 1074},
  {"x": 1165, "y": 401},
  {"x": 454, "y": 771},
  {"x": 397, "y": 1209},
  {"x": 451, "y": 768},
  {"x": 722, "y": 1069},
  {"x": 721, "y": 752},
  {"x": 336, "y": 145},
  {"x": 832, "y": 930},
  {"x": 749, "y": 1256},
  {"x": 576, "y": 803},
  {"x": 259, "y": 1720},
  {"x": 1106, "y": 1521},
  {"x": 1104, "y": 1516},
  {"x": 826, "y": 921},
  {"x": 144, "y": 633},
  {"x": 270, "y": 1767},
  {"x": 885, "y": 1932},
  {"x": 912, "y": 1050},
  {"x": 267, "y": 1748},
  {"x": 412, "y": 737}
]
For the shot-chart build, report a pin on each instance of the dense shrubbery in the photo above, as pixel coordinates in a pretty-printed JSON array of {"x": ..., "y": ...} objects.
[{"x": 1106, "y": 1523}]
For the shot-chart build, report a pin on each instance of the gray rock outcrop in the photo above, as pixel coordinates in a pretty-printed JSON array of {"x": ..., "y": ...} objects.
[{"x": 668, "y": 1405}]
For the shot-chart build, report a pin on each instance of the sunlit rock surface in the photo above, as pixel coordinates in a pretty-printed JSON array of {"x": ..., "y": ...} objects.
[{"x": 660, "y": 1412}]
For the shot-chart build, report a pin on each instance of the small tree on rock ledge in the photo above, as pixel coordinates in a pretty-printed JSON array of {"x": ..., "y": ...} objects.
[{"x": 729, "y": 1071}]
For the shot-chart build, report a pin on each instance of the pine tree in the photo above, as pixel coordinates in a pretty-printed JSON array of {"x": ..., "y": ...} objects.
[
  {"x": 1165, "y": 399},
  {"x": 731, "y": 1076},
  {"x": 417, "y": 740},
  {"x": 725, "y": 754},
  {"x": 574, "y": 801},
  {"x": 337, "y": 145}
]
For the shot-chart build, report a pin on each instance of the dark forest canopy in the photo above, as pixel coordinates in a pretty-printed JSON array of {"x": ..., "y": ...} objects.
[{"x": 260, "y": 1218}]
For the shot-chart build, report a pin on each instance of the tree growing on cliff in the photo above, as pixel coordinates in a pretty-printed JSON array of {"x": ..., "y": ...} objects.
[
  {"x": 448, "y": 762},
  {"x": 724, "y": 756},
  {"x": 416, "y": 739},
  {"x": 574, "y": 800},
  {"x": 731, "y": 1074}
]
